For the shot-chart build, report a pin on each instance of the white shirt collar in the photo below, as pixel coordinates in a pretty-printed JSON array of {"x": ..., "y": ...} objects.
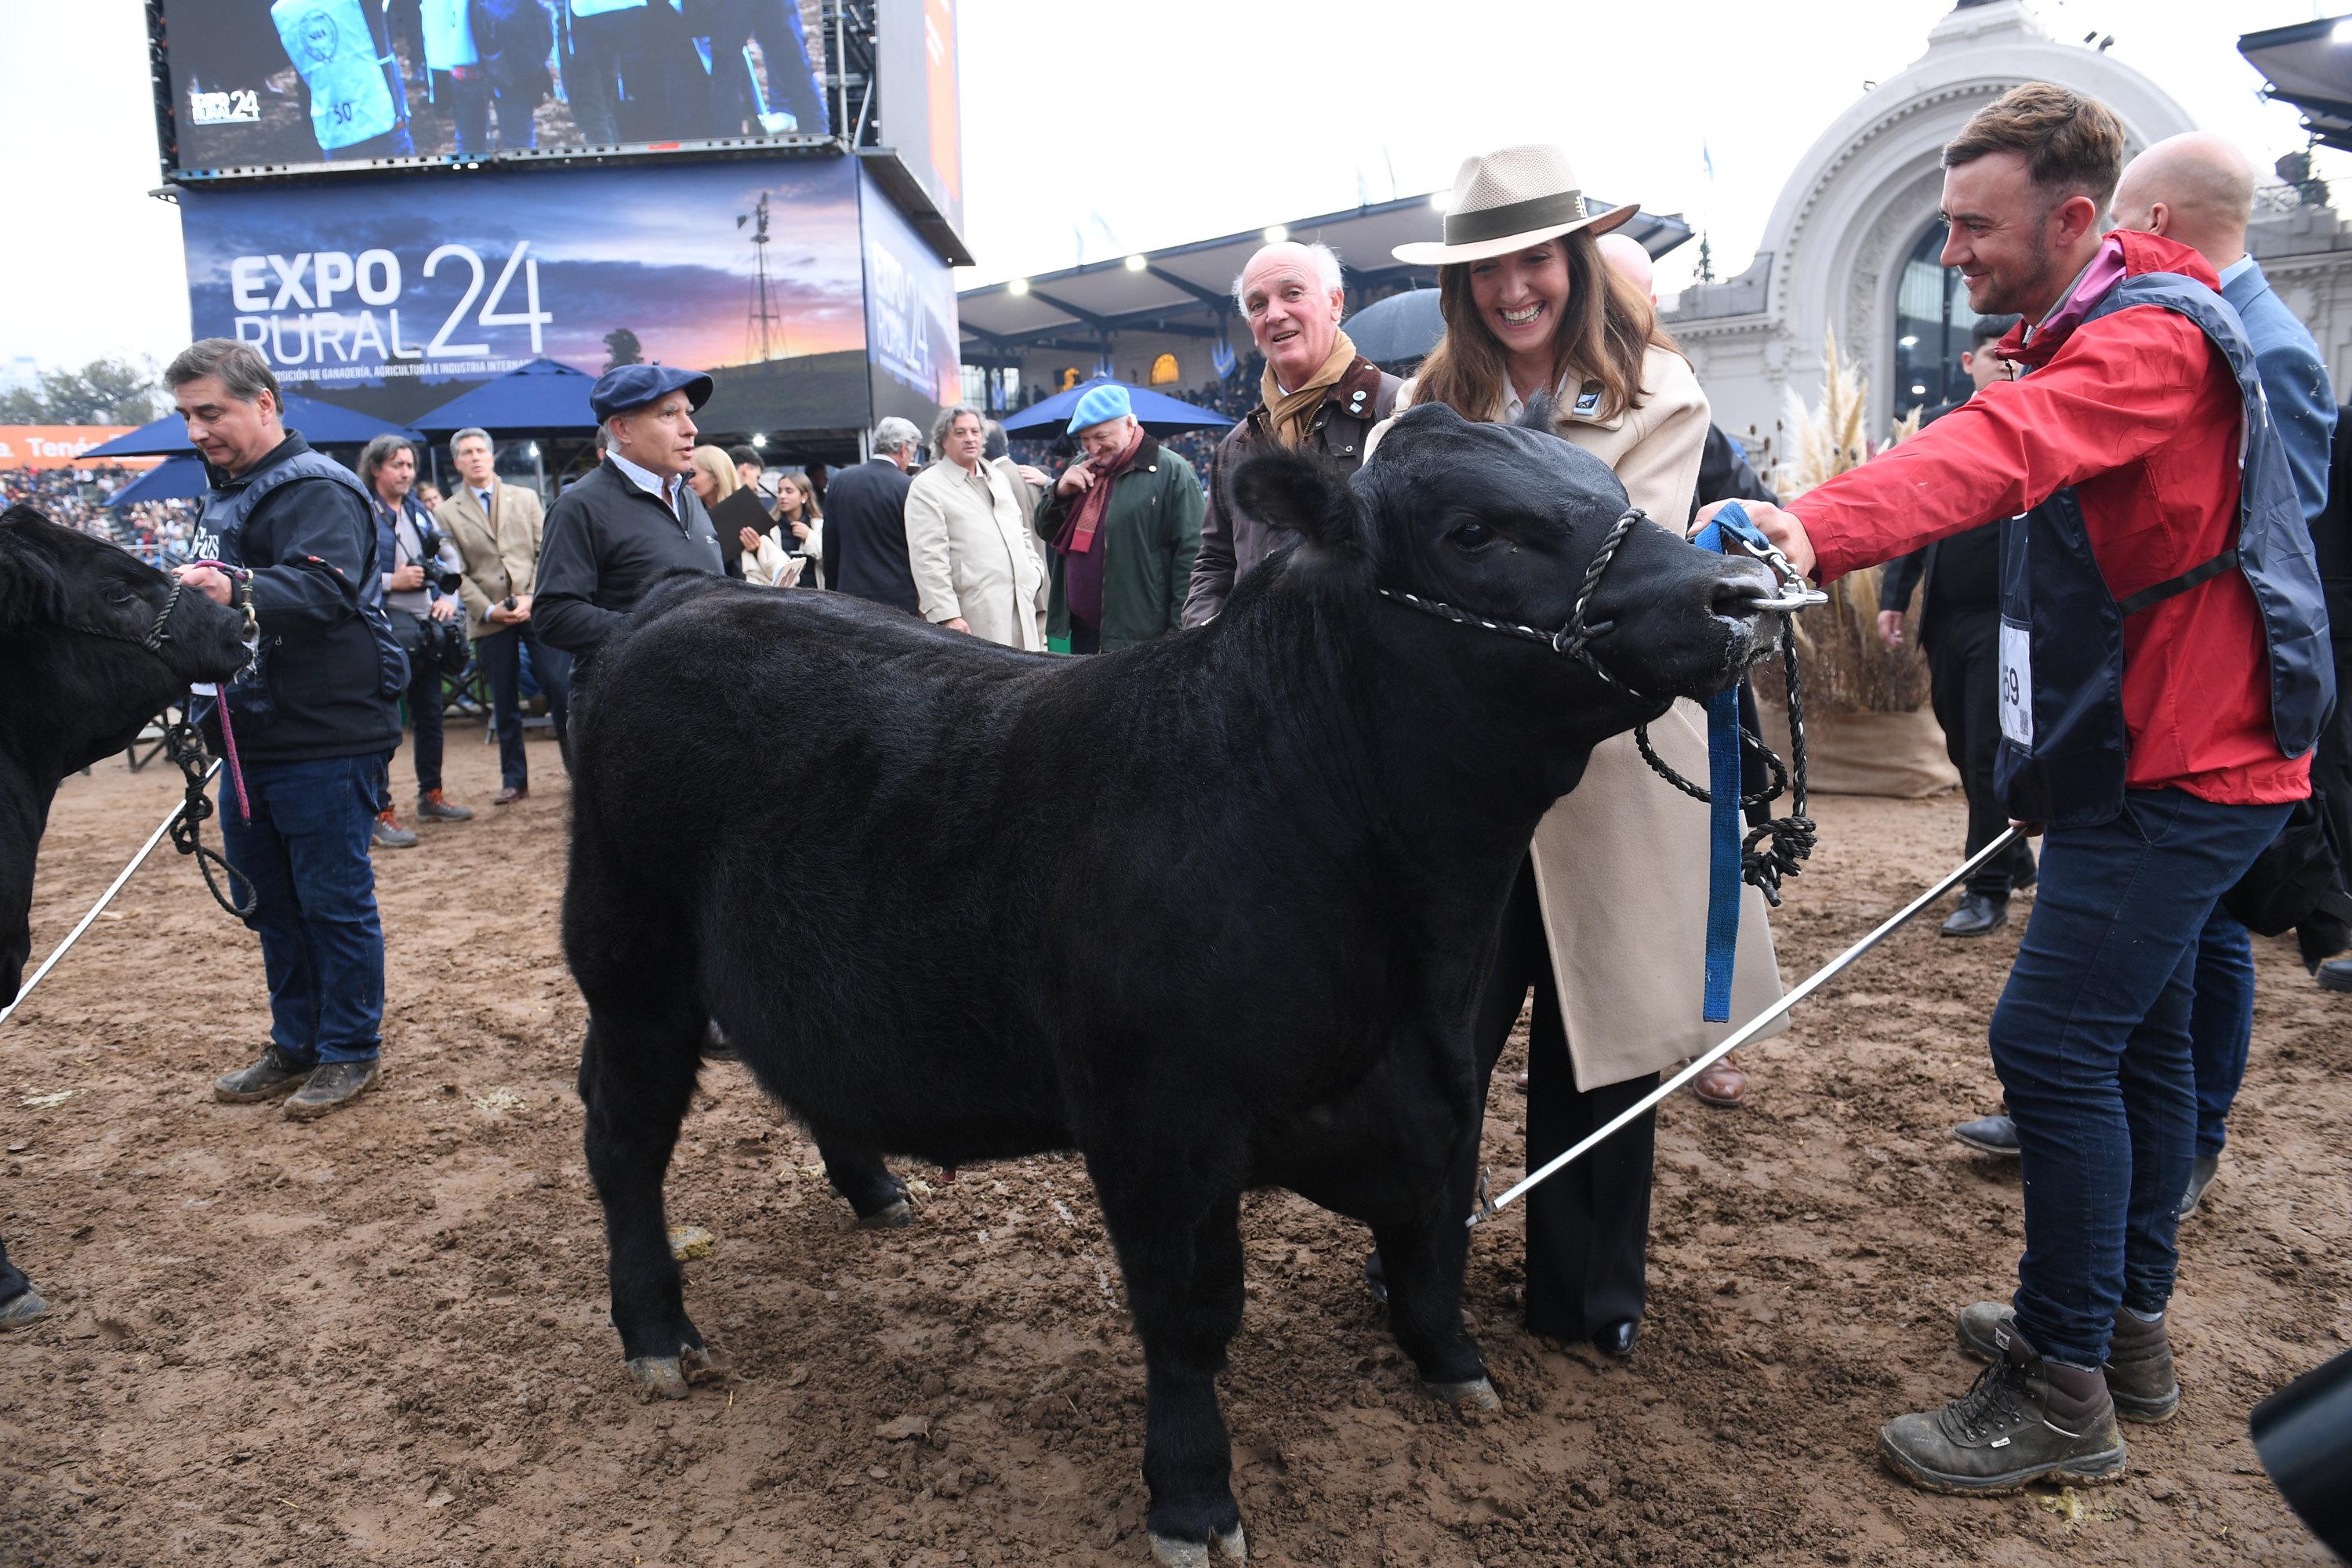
[
  {"x": 2237, "y": 270},
  {"x": 646, "y": 479}
]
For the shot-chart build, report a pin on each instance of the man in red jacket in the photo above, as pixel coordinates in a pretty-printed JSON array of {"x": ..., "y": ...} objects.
[{"x": 2162, "y": 642}]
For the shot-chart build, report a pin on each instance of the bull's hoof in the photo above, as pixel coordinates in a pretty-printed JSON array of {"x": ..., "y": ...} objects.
[
  {"x": 1234, "y": 1544},
  {"x": 896, "y": 1214},
  {"x": 1475, "y": 1394},
  {"x": 669, "y": 1377}
]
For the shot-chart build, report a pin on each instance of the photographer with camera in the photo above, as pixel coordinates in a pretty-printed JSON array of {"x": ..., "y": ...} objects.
[{"x": 421, "y": 576}]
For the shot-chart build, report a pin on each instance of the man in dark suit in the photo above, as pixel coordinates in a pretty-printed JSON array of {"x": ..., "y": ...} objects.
[
  {"x": 865, "y": 522},
  {"x": 1959, "y": 628}
]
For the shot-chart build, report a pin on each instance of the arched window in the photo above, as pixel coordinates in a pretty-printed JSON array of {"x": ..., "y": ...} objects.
[
  {"x": 1164, "y": 372},
  {"x": 1933, "y": 325}
]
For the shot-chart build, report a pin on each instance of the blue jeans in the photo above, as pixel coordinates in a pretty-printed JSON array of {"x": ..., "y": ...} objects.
[
  {"x": 306, "y": 852},
  {"x": 2221, "y": 1024},
  {"x": 2091, "y": 1041}
]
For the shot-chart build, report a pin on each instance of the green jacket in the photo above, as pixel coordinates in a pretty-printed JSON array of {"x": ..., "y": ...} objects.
[{"x": 1152, "y": 530}]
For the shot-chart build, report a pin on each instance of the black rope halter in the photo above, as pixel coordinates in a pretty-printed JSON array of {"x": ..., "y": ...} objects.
[
  {"x": 1778, "y": 848},
  {"x": 184, "y": 743}
]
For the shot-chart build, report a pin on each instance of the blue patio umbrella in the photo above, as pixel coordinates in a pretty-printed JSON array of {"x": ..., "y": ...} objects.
[
  {"x": 321, "y": 424},
  {"x": 545, "y": 397},
  {"x": 1160, "y": 414},
  {"x": 175, "y": 479}
]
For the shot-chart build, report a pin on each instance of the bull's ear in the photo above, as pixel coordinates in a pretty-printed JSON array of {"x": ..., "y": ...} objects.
[
  {"x": 30, "y": 589},
  {"x": 1299, "y": 492}
]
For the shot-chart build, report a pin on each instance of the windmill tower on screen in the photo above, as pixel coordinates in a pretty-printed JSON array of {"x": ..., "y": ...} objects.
[{"x": 762, "y": 312}]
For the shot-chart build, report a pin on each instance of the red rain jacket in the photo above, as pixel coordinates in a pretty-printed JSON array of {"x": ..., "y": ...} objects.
[{"x": 2142, "y": 417}]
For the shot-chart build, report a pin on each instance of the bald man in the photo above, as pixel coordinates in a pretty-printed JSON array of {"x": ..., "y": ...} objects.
[
  {"x": 2198, "y": 189},
  {"x": 1318, "y": 394}
]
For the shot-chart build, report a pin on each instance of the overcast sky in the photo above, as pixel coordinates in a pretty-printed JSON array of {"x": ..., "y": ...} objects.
[{"x": 1095, "y": 129}]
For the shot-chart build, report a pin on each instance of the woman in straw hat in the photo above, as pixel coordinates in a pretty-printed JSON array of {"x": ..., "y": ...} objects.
[{"x": 1606, "y": 923}]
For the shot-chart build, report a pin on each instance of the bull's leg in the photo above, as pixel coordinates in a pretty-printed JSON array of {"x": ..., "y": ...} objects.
[
  {"x": 637, "y": 1076},
  {"x": 1181, "y": 1253},
  {"x": 858, "y": 1175},
  {"x": 1424, "y": 1266}
]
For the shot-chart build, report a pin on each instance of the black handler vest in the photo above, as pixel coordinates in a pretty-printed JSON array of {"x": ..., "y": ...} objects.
[
  {"x": 2064, "y": 748},
  {"x": 252, "y": 697}
]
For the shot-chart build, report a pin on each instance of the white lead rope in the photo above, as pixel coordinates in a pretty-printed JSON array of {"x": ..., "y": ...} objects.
[
  {"x": 1749, "y": 1030},
  {"x": 104, "y": 899}
]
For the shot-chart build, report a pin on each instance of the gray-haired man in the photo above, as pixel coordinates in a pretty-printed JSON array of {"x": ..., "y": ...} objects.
[
  {"x": 865, "y": 522},
  {"x": 1318, "y": 393},
  {"x": 316, "y": 717},
  {"x": 495, "y": 528}
]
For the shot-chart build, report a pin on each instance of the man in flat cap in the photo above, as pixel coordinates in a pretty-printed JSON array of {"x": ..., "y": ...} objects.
[
  {"x": 613, "y": 534},
  {"x": 1124, "y": 525}
]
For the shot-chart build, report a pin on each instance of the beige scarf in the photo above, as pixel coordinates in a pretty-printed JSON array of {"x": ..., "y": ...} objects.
[{"x": 1293, "y": 412}]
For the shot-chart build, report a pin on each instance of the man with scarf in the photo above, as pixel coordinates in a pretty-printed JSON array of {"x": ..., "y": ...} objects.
[
  {"x": 1318, "y": 393},
  {"x": 1124, "y": 525}
]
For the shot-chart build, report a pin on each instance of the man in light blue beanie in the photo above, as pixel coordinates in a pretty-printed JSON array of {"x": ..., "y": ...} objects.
[
  {"x": 1099, "y": 404},
  {"x": 1125, "y": 524}
]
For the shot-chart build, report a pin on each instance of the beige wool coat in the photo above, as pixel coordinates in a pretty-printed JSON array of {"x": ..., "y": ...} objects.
[
  {"x": 1621, "y": 863},
  {"x": 500, "y": 552},
  {"x": 974, "y": 555}
]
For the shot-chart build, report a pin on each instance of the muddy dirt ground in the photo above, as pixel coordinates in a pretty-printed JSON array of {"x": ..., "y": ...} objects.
[{"x": 381, "y": 1339}]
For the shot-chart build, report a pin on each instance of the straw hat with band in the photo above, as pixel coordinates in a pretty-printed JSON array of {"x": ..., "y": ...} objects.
[{"x": 1508, "y": 200}]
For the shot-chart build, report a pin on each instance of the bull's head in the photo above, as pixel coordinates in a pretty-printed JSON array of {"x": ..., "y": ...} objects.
[
  {"x": 1503, "y": 521},
  {"x": 75, "y": 615}
]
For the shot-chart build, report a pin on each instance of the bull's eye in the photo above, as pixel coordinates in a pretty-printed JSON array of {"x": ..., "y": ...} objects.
[{"x": 1471, "y": 536}]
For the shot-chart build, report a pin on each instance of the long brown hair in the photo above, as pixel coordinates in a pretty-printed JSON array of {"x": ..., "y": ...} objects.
[
  {"x": 810, "y": 510},
  {"x": 1602, "y": 335}
]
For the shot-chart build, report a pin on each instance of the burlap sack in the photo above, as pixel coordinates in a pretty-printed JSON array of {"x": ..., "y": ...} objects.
[{"x": 1898, "y": 755}]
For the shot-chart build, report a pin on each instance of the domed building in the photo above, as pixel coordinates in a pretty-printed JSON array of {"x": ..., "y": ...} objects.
[{"x": 1851, "y": 245}]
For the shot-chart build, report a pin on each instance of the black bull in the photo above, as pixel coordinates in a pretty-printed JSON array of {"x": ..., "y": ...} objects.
[
  {"x": 83, "y": 669},
  {"x": 1213, "y": 911}
]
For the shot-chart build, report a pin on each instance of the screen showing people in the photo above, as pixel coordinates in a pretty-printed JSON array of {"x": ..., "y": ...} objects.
[{"x": 272, "y": 83}]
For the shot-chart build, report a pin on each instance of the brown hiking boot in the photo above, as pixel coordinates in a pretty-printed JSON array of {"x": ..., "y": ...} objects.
[
  {"x": 330, "y": 1084},
  {"x": 267, "y": 1079},
  {"x": 2139, "y": 1360},
  {"x": 2139, "y": 1370},
  {"x": 2027, "y": 1419}
]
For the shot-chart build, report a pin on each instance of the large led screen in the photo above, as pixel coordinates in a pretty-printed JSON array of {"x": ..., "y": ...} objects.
[
  {"x": 752, "y": 270},
  {"x": 270, "y": 85},
  {"x": 910, "y": 316},
  {"x": 921, "y": 117}
]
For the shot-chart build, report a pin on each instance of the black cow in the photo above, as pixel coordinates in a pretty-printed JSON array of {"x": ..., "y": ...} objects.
[
  {"x": 81, "y": 677},
  {"x": 1213, "y": 911}
]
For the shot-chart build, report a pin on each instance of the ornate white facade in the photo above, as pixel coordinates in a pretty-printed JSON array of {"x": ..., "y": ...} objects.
[{"x": 1866, "y": 192}]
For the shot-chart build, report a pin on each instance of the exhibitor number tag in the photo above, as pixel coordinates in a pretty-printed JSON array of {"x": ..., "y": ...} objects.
[{"x": 2017, "y": 684}]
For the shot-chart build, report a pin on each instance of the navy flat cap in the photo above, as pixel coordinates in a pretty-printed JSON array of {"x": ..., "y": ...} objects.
[{"x": 628, "y": 386}]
